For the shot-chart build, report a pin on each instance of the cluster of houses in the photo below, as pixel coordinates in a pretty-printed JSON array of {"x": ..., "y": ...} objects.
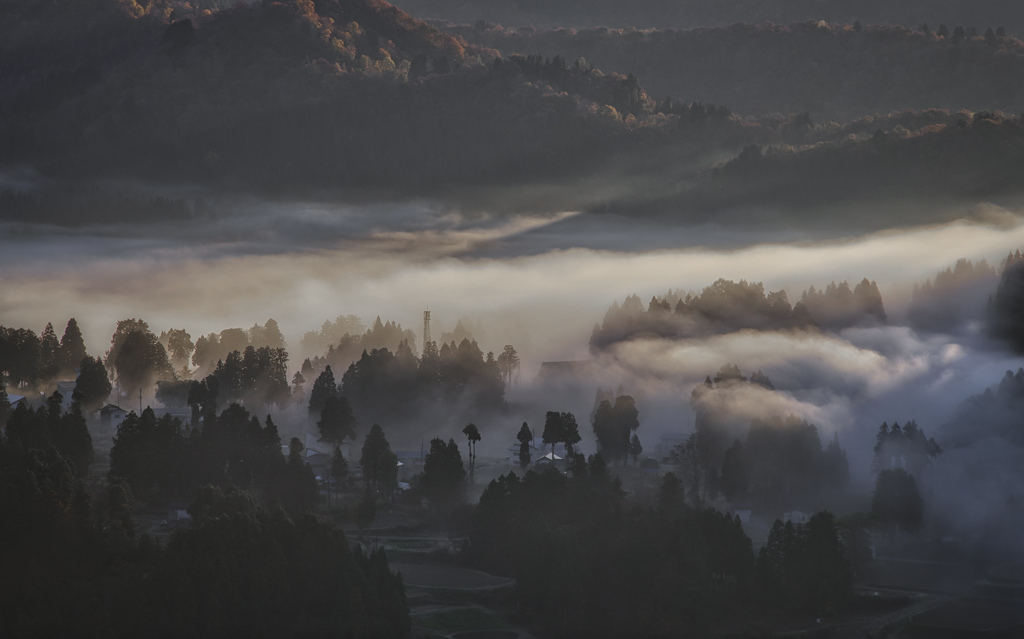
[{"x": 110, "y": 416}]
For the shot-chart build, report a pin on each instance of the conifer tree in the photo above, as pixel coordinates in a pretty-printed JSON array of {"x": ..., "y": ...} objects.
[{"x": 72, "y": 348}]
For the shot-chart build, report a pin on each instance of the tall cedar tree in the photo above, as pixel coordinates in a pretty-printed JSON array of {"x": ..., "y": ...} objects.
[
  {"x": 72, "y": 348},
  {"x": 379, "y": 464}
]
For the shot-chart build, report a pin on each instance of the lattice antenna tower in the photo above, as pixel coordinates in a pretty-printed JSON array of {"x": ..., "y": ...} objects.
[{"x": 426, "y": 328}]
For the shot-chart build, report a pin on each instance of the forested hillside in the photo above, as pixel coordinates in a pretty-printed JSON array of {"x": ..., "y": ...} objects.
[
  {"x": 832, "y": 71},
  {"x": 701, "y": 13}
]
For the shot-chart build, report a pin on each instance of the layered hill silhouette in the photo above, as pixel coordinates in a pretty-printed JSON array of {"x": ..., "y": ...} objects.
[
  {"x": 329, "y": 92},
  {"x": 302, "y": 95},
  {"x": 833, "y": 71},
  {"x": 646, "y": 14}
]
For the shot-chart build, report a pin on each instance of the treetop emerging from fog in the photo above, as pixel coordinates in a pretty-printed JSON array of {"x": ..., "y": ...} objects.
[{"x": 728, "y": 306}]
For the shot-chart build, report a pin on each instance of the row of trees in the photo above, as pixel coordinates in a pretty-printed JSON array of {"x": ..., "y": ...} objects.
[
  {"x": 29, "y": 360},
  {"x": 1006, "y": 308},
  {"x": 676, "y": 570},
  {"x": 49, "y": 427},
  {"x": 954, "y": 297},
  {"x": 255, "y": 377},
  {"x": 340, "y": 351},
  {"x": 727, "y": 306},
  {"x": 387, "y": 386},
  {"x": 162, "y": 460},
  {"x": 210, "y": 349}
]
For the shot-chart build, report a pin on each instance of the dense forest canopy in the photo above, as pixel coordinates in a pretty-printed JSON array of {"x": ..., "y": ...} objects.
[{"x": 728, "y": 306}]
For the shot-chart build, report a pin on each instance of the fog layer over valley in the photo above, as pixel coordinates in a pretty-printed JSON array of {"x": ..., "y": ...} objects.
[
  {"x": 541, "y": 283},
  {"x": 551, "y": 276}
]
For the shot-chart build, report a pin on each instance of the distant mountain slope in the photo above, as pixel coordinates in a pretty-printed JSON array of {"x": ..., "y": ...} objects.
[
  {"x": 832, "y": 71},
  {"x": 921, "y": 163},
  {"x": 300, "y": 96},
  {"x": 327, "y": 92},
  {"x": 688, "y": 14}
]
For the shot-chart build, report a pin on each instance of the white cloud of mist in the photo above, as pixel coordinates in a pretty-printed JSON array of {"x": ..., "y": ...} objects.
[
  {"x": 847, "y": 383},
  {"x": 544, "y": 279}
]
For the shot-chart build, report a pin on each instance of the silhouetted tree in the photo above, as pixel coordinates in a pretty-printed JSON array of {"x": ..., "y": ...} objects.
[
  {"x": 336, "y": 420},
  {"x": 443, "y": 480},
  {"x": 72, "y": 348},
  {"x": 5, "y": 401},
  {"x": 554, "y": 429},
  {"x": 570, "y": 433},
  {"x": 1007, "y": 314},
  {"x": 50, "y": 359},
  {"x": 92, "y": 388},
  {"x": 508, "y": 363},
  {"x": 635, "y": 448},
  {"x": 179, "y": 346},
  {"x": 734, "y": 478},
  {"x": 804, "y": 568},
  {"x": 323, "y": 387},
  {"x": 339, "y": 470},
  {"x": 897, "y": 499},
  {"x": 379, "y": 464},
  {"x": 613, "y": 426},
  {"x": 472, "y": 434},
  {"x": 137, "y": 357}
]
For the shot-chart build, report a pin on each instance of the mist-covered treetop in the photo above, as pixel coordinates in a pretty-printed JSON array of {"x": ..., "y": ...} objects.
[
  {"x": 955, "y": 296},
  {"x": 346, "y": 348},
  {"x": 726, "y": 306},
  {"x": 993, "y": 415}
]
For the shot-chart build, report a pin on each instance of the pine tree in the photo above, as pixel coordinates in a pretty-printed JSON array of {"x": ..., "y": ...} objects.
[
  {"x": 472, "y": 434},
  {"x": 72, "y": 348},
  {"x": 879, "y": 462},
  {"x": 635, "y": 448},
  {"x": 339, "y": 470},
  {"x": 49, "y": 354},
  {"x": 323, "y": 387},
  {"x": 554, "y": 431},
  {"x": 570, "y": 433},
  {"x": 379, "y": 464}
]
